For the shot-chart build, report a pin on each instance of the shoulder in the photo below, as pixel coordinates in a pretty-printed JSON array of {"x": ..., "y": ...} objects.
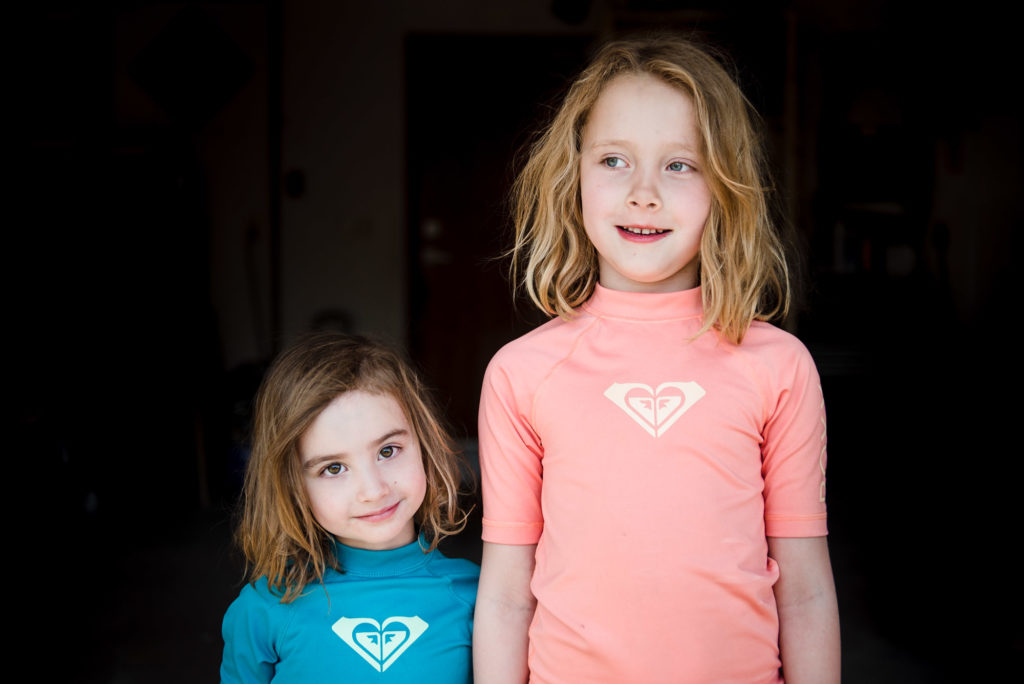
[
  {"x": 541, "y": 348},
  {"x": 259, "y": 597},
  {"x": 257, "y": 592},
  {"x": 766, "y": 338},
  {"x": 452, "y": 567},
  {"x": 255, "y": 611},
  {"x": 768, "y": 346},
  {"x": 461, "y": 575},
  {"x": 778, "y": 359},
  {"x": 255, "y": 596}
]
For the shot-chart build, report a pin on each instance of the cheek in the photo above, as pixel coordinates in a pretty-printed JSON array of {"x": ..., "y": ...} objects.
[
  {"x": 319, "y": 504},
  {"x": 415, "y": 484},
  {"x": 702, "y": 198},
  {"x": 591, "y": 194},
  {"x": 594, "y": 209},
  {"x": 316, "y": 495}
]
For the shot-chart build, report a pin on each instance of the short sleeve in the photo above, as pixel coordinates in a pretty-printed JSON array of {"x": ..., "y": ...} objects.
[
  {"x": 511, "y": 457},
  {"x": 794, "y": 452},
  {"x": 249, "y": 654}
]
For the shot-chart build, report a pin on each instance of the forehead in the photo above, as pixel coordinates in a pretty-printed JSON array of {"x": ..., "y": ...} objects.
[
  {"x": 634, "y": 104},
  {"x": 353, "y": 420}
]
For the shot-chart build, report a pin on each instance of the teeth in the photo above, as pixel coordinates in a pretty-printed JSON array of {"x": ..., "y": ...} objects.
[{"x": 643, "y": 231}]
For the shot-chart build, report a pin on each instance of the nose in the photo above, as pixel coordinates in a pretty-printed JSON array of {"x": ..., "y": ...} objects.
[
  {"x": 372, "y": 485},
  {"x": 643, "y": 193}
]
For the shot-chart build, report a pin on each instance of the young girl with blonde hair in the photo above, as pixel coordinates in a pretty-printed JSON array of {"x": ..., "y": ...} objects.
[
  {"x": 653, "y": 459},
  {"x": 352, "y": 483}
]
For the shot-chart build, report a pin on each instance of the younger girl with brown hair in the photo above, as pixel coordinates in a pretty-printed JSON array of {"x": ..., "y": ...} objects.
[{"x": 352, "y": 483}]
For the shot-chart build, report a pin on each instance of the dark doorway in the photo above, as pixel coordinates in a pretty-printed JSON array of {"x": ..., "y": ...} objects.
[{"x": 472, "y": 103}]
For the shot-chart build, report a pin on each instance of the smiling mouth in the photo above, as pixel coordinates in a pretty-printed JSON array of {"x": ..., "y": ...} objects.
[
  {"x": 643, "y": 230},
  {"x": 382, "y": 514}
]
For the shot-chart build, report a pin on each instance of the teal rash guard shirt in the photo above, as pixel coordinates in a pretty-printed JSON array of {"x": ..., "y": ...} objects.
[{"x": 400, "y": 615}]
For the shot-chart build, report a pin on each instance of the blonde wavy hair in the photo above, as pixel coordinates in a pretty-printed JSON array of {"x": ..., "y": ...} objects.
[
  {"x": 743, "y": 271},
  {"x": 277, "y": 532}
]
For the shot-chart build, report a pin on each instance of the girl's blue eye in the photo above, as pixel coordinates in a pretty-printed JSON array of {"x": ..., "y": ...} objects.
[
  {"x": 679, "y": 166},
  {"x": 613, "y": 162},
  {"x": 334, "y": 469},
  {"x": 388, "y": 452}
]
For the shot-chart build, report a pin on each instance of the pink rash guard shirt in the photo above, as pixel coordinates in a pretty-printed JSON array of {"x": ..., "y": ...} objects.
[{"x": 649, "y": 468}]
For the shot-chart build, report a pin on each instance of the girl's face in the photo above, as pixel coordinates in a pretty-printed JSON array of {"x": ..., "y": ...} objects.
[
  {"x": 363, "y": 471},
  {"x": 644, "y": 196}
]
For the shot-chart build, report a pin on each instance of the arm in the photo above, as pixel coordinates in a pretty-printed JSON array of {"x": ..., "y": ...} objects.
[
  {"x": 808, "y": 613},
  {"x": 504, "y": 609},
  {"x": 249, "y": 654}
]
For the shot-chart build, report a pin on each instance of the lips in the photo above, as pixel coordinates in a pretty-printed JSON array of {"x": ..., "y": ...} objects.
[
  {"x": 642, "y": 233},
  {"x": 380, "y": 515},
  {"x": 643, "y": 230}
]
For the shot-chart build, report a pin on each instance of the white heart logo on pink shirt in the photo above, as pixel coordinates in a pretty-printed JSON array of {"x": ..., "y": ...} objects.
[{"x": 655, "y": 410}]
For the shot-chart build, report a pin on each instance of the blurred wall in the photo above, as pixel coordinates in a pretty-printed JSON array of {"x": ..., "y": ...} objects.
[
  {"x": 195, "y": 183},
  {"x": 343, "y": 248}
]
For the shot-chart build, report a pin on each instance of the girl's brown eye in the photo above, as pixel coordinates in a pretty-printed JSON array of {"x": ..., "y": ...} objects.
[
  {"x": 387, "y": 452},
  {"x": 333, "y": 469}
]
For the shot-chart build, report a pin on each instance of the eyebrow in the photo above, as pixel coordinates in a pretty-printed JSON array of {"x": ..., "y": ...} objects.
[
  {"x": 317, "y": 460},
  {"x": 684, "y": 146}
]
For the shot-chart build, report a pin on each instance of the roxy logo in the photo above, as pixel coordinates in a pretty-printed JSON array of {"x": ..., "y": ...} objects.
[
  {"x": 380, "y": 644},
  {"x": 655, "y": 410}
]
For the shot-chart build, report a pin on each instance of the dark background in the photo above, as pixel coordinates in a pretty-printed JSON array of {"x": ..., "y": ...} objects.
[{"x": 896, "y": 135}]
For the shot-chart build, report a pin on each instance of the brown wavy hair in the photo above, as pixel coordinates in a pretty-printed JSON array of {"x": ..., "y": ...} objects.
[
  {"x": 278, "y": 534},
  {"x": 743, "y": 271}
]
